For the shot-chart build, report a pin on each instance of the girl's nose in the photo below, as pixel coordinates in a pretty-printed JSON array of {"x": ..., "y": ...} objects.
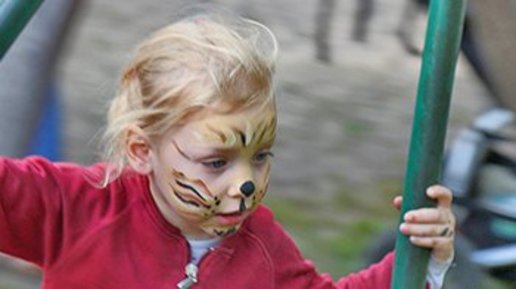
[{"x": 247, "y": 188}]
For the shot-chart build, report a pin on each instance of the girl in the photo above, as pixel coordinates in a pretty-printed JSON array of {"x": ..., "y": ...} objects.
[{"x": 188, "y": 141}]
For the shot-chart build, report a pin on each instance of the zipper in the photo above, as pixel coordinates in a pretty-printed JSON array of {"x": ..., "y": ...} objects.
[
  {"x": 191, "y": 270},
  {"x": 191, "y": 277}
]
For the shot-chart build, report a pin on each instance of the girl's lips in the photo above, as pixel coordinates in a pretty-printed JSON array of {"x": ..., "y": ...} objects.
[{"x": 230, "y": 218}]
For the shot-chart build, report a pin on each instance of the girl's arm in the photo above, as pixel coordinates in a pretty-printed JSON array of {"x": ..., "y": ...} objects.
[
  {"x": 31, "y": 223},
  {"x": 428, "y": 227}
]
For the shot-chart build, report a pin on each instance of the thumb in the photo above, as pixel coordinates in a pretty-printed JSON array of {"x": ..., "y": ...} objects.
[{"x": 397, "y": 202}]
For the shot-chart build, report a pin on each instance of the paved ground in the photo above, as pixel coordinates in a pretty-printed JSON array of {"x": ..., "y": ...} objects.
[{"x": 344, "y": 128}]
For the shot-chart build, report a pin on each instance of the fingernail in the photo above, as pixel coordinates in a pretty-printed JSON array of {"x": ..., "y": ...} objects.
[{"x": 403, "y": 228}]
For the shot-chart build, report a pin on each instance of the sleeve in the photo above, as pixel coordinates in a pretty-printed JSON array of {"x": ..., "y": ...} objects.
[
  {"x": 31, "y": 209},
  {"x": 437, "y": 271},
  {"x": 293, "y": 271},
  {"x": 376, "y": 276}
]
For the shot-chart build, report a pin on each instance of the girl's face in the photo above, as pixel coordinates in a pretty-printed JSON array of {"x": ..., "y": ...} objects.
[{"x": 210, "y": 174}]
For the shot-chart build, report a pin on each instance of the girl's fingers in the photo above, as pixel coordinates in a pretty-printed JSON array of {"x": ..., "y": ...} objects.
[
  {"x": 397, "y": 202},
  {"x": 429, "y": 215},
  {"x": 442, "y": 247},
  {"x": 434, "y": 242},
  {"x": 441, "y": 194},
  {"x": 439, "y": 238},
  {"x": 427, "y": 230},
  {"x": 432, "y": 228}
]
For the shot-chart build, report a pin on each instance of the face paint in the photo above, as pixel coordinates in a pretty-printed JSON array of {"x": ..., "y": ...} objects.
[
  {"x": 247, "y": 188},
  {"x": 211, "y": 173},
  {"x": 194, "y": 202},
  {"x": 190, "y": 192}
]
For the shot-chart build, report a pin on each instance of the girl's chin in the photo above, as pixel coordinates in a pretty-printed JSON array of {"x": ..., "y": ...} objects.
[{"x": 219, "y": 232}]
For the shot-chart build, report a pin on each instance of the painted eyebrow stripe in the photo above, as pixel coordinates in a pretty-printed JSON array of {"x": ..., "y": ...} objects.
[
  {"x": 220, "y": 134},
  {"x": 191, "y": 189},
  {"x": 262, "y": 134},
  {"x": 271, "y": 125},
  {"x": 241, "y": 134},
  {"x": 266, "y": 127},
  {"x": 256, "y": 137},
  {"x": 242, "y": 138}
]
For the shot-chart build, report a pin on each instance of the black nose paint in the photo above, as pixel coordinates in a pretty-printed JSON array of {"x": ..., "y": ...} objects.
[
  {"x": 242, "y": 205},
  {"x": 247, "y": 188}
]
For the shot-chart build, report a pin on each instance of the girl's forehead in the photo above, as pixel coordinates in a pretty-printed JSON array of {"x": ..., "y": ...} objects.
[{"x": 246, "y": 128}]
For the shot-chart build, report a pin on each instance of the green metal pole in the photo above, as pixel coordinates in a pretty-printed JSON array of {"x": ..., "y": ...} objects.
[
  {"x": 444, "y": 32},
  {"x": 14, "y": 15}
]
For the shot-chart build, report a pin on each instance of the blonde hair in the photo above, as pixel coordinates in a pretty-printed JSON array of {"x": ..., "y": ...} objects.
[{"x": 198, "y": 62}]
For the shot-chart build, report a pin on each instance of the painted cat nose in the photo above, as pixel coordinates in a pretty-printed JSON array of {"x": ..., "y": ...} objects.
[{"x": 247, "y": 188}]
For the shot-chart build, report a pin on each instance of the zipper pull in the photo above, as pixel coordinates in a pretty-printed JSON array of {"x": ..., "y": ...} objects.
[{"x": 191, "y": 277}]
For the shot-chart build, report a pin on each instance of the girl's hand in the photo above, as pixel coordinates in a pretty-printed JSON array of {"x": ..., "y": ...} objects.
[{"x": 431, "y": 227}]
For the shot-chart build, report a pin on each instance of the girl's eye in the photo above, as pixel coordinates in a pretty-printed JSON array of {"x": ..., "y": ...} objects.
[
  {"x": 215, "y": 164},
  {"x": 263, "y": 156}
]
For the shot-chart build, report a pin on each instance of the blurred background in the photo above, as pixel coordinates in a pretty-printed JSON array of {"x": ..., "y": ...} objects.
[{"x": 346, "y": 84}]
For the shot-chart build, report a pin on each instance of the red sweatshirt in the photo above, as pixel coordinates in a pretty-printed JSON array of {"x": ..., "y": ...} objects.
[{"x": 115, "y": 237}]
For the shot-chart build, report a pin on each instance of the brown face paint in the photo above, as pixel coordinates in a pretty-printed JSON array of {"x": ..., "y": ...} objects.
[
  {"x": 242, "y": 138},
  {"x": 255, "y": 135},
  {"x": 191, "y": 192},
  {"x": 221, "y": 135},
  {"x": 265, "y": 130},
  {"x": 211, "y": 199},
  {"x": 185, "y": 201},
  {"x": 188, "y": 187},
  {"x": 225, "y": 232},
  {"x": 258, "y": 196}
]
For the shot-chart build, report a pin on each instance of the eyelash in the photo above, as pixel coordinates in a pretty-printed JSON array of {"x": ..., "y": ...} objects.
[
  {"x": 263, "y": 156},
  {"x": 215, "y": 164},
  {"x": 218, "y": 164}
]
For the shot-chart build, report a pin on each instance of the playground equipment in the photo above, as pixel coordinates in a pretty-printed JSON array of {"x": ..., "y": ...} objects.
[
  {"x": 480, "y": 168},
  {"x": 28, "y": 88},
  {"x": 14, "y": 15},
  {"x": 483, "y": 179},
  {"x": 446, "y": 19}
]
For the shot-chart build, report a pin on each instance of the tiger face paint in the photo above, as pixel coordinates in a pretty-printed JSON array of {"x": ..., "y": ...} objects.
[{"x": 211, "y": 173}]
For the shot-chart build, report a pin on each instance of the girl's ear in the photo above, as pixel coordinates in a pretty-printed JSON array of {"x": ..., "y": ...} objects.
[{"x": 138, "y": 148}]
